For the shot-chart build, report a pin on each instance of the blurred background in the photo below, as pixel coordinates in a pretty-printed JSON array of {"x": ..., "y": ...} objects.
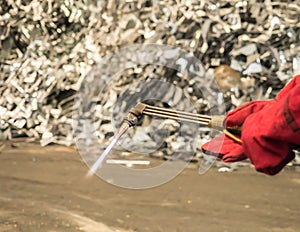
[{"x": 49, "y": 47}]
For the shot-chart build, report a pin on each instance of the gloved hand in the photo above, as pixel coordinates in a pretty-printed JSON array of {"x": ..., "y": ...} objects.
[
  {"x": 271, "y": 129},
  {"x": 225, "y": 147}
]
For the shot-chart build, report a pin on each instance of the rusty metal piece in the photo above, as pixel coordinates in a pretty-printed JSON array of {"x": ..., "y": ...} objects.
[{"x": 227, "y": 78}]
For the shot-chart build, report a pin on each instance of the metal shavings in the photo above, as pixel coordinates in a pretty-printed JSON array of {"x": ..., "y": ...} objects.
[{"x": 47, "y": 48}]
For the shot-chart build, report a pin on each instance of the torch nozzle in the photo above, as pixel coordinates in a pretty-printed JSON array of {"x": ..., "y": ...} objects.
[
  {"x": 124, "y": 127},
  {"x": 130, "y": 120},
  {"x": 134, "y": 114}
]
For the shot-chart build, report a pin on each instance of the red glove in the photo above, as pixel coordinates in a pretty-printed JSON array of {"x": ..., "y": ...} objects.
[
  {"x": 225, "y": 147},
  {"x": 270, "y": 131},
  {"x": 269, "y": 145}
]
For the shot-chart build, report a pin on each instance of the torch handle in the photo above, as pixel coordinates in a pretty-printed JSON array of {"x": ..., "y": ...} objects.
[{"x": 216, "y": 122}]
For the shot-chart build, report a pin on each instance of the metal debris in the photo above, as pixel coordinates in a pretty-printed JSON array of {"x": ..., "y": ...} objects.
[{"x": 47, "y": 49}]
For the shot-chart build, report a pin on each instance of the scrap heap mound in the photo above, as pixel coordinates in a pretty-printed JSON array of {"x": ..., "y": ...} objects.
[{"x": 48, "y": 48}]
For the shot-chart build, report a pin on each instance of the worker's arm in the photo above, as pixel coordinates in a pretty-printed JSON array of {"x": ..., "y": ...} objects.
[{"x": 271, "y": 129}]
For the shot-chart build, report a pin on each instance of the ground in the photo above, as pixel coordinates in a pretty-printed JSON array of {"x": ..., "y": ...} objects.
[{"x": 46, "y": 189}]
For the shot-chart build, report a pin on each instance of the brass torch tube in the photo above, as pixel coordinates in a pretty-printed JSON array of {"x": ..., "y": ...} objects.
[
  {"x": 176, "y": 118},
  {"x": 177, "y": 112},
  {"x": 176, "y": 115},
  {"x": 216, "y": 122}
]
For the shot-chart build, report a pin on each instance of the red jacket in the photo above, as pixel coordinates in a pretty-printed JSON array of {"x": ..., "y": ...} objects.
[{"x": 271, "y": 130}]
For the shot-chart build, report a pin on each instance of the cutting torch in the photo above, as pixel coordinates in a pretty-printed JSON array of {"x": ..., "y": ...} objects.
[{"x": 216, "y": 122}]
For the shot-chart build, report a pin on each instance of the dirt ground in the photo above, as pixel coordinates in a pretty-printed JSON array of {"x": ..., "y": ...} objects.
[{"x": 46, "y": 189}]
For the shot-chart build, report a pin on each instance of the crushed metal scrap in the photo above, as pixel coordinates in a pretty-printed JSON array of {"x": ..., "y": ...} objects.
[{"x": 49, "y": 47}]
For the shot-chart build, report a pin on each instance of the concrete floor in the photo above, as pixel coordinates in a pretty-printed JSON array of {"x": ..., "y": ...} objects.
[{"x": 46, "y": 189}]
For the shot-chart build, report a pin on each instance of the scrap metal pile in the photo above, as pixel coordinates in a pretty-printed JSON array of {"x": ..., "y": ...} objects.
[{"x": 49, "y": 47}]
